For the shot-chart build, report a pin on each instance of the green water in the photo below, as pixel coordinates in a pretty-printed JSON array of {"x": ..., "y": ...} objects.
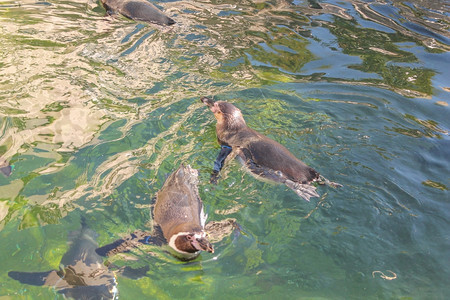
[{"x": 95, "y": 111}]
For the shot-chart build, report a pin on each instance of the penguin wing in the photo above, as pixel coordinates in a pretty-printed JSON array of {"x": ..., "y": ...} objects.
[
  {"x": 32, "y": 278},
  {"x": 133, "y": 240},
  {"x": 274, "y": 159},
  {"x": 258, "y": 170},
  {"x": 257, "y": 167},
  {"x": 219, "y": 162},
  {"x": 304, "y": 190},
  {"x": 218, "y": 230},
  {"x": 124, "y": 244},
  {"x": 118, "y": 246},
  {"x": 273, "y": 162}
]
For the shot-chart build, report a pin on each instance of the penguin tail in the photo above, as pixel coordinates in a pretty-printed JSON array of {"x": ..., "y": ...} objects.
[
  {"x": 305, "y": 191},
  {"x": 323, "y": 180}
]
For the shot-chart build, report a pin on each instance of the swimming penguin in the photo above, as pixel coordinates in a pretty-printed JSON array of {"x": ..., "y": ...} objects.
[
  {"x": 177, "y": 215},
  {"x": 82, "y": 274},
  {"x": 216, "y": 231},
  {"x": 140, "y": 10},
  {"x": 261, "y": 155}
]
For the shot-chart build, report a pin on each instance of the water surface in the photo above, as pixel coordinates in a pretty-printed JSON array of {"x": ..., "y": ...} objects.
[{"x": 95, "y": 111}]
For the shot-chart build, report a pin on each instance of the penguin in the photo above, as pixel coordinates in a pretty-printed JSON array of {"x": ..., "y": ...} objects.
[
  {"x": 140, "y": 10},
  {"x": 178, "y": 220},
  {"x": 262, "y": 156},
  {"x": 179, "y": 213},
  {"x": 82, "y": 274}
]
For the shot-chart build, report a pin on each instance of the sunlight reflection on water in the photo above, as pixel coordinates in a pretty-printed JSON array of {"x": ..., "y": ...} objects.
[{"x": 96, "y": 110}]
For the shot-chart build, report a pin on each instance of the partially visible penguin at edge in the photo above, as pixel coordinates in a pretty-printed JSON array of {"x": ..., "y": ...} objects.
[
  {"x": 5, "y": 167},
  {"x": 139, "y": 10}
]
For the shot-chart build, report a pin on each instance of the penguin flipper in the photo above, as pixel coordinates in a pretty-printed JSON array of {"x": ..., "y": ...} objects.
[
  {"x": 218, "y": 230},
  {"x": 115, "y": 247},
  {"x": 304, "y": 190},
  {"x": 219, "y": 162},
  {"x": 124, "y": 244},
  {"x": 31, "y": 278},
  {"x": 259, "y": 171}
]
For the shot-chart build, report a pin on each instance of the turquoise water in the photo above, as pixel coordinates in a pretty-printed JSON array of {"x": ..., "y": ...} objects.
[{"x": 95, "y": 111}]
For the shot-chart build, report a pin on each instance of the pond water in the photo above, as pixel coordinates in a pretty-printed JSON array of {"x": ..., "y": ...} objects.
[{"x": 96, "y": 110}]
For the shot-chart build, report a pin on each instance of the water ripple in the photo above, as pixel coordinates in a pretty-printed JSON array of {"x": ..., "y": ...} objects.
[{"x": 96, "y": 110}]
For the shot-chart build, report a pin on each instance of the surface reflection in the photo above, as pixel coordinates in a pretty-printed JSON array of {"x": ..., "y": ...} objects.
[{"x": 95, "y": 110}]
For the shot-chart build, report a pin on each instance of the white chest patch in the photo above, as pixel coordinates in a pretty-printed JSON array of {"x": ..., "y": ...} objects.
[{"x": 203, "y": 218}]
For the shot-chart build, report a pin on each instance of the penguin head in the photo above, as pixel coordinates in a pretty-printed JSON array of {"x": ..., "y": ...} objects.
[
  {"x": 226, "y": 113},
  {"x": 191, "y": 243}
]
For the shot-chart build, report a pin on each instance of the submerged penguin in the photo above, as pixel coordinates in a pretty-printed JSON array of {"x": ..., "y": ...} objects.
[
  {"x": 82, "y": 274},
  {"x": 140, "y": 10},
  {"x": 261, "y": 155},
  {"x": 177, "y": 215}
]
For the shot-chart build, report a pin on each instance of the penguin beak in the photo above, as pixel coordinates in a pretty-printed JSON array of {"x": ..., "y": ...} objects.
[
  {"x": 203, "y": 244},
  {"x": 208, "y": 101},
  {"x": 212, "y": 105}
]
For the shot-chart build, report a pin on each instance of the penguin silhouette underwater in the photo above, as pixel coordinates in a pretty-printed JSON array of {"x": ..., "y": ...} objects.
[
  {"x": 178, "y": 217},
  {"x": 262, "y": 156},
  {"x": 82, "y": 274}
]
